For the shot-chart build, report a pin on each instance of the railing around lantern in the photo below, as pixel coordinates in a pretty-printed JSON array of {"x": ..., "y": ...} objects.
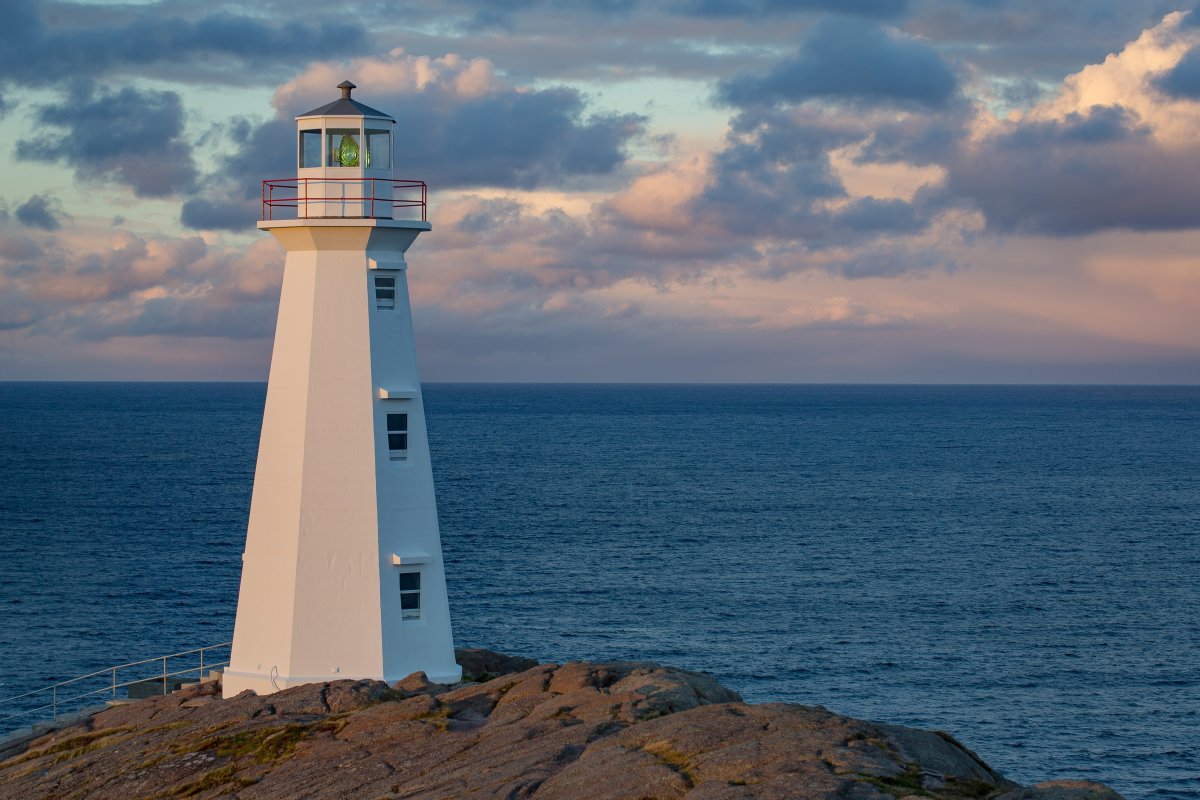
[{"x": 337, "y": 198}]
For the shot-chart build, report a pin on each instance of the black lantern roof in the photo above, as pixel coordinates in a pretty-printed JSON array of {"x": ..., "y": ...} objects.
[{"x": 345, "y": 106}]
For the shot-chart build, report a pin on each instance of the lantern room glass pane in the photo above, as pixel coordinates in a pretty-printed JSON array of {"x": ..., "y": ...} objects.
[
  {"x": 379, "y": 149},
  {"x": 310, "y": 149},
  {"x": 343, "y": 148}
]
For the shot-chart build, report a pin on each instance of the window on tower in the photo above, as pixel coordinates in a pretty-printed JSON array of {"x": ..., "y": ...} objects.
[
  {"x": 385, "y": 291},
  {"x": 397, "y": 435},
  {"x": 310, "y": 149},
  {"x": 342, "y": 148},
  {"x": 410, "y": 595},
  {"x": 379, "y": 149}
]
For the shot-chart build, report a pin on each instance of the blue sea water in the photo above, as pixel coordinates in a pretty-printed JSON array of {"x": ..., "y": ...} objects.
[{"x": 1015, "y": 565}]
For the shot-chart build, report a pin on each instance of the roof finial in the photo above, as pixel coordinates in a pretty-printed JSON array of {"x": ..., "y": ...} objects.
[{"x": 346, "y": 86}]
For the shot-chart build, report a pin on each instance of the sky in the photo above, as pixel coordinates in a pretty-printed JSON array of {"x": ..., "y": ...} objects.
[{"x": 813, "y": 191}]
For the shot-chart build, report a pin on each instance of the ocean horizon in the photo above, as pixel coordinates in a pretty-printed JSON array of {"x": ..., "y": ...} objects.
[{"x": 1014, "y": 564}]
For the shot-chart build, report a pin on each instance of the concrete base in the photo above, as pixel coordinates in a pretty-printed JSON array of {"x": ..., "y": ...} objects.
[
  {"x": 234, "y": 683},
  {"x": 153, "y": 687}
]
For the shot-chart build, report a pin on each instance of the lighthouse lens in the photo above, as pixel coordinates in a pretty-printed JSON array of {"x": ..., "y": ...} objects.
[
  {"x": 343, "y": 148},
  {"x": 348, "y": 152}
]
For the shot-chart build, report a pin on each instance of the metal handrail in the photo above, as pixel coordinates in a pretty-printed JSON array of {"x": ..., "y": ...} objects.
[
  {"x": 112, "y": 687},
  {"x": 299, "y": 196}
]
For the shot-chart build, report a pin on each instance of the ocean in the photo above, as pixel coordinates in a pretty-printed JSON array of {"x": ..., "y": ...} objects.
[{"x": 1015, "y": 565}]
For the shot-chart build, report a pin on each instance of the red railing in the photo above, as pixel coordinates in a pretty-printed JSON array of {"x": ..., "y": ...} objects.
[{"x": 324, "y": 198}]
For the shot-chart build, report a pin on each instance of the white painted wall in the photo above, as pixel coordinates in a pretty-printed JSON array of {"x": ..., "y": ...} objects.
[{"x": 331, "y": 512}]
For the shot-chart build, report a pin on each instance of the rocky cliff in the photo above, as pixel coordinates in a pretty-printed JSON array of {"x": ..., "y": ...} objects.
[{"x": 518, "y": 729}]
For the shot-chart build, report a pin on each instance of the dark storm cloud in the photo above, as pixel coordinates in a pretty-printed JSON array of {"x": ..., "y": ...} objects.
[
  {"x": 1088, "y": 172},
  {"x": 40, "y": 211},
  {"x": 34, "y": 53},
  {"x": 1183, "y": 80},
  {"x": 132, "y": 136},
  {"x": 503, "y": 138},
  {"x": 842, "y": 59}
]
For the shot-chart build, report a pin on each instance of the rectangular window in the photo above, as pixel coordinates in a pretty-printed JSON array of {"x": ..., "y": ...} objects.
[
  {"x": 343, "y": 148},
  {"x": 310, "y": 149},
  {"x": 397, "y": 433},
  {"x": 410, "y": 595},
  {"x": 385, "y": 291},
  {"x": 379, "y": 149}
]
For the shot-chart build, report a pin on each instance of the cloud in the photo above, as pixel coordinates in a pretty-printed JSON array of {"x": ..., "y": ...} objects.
[
  {"x": 215, "y": 44},
  {"x": 887, "y": 9},
  {"x": 131, "y": 136},
  {"x": 1183, "y": 80},
  {"x": 774, "y": 185},
  {"x": 232, "y": 214},
  {"x": 463, "y": 127},
  {"x": 1085, "y": 173},
  {"x": 1107, "y": 151},
  {"x": 841, "y": 59},
  {"x": 40, "y": 211},
  {"x": 75, "y": 285},
  {"x": 459, "y": 127},
  {"x": 19, "y": 250}
]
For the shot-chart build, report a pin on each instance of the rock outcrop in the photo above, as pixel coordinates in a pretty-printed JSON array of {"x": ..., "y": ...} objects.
[{"x": 518, "y": 729}]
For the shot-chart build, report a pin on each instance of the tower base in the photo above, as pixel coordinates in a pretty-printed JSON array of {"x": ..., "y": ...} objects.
[{"x": 234, "y": 683}]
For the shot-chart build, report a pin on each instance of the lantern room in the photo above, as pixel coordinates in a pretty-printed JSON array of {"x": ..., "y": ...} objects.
[
  {"x": 344, "y": 139},
  {"x": 343, "y": 167}
]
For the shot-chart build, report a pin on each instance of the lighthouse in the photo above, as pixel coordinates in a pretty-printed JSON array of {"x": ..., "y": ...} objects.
[{"x": 342, "y": 574}]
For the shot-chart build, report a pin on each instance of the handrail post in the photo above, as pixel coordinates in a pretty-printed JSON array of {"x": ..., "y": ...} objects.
[
  {"x": 202, "y": 663},
  {"x": 114, "y": 683},
  {"x": 54, "y": 703},
  {"x": 164, "y": 674}
]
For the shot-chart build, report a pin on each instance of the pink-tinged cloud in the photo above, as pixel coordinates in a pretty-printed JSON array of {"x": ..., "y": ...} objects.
[{"x": 892, "y": 231}]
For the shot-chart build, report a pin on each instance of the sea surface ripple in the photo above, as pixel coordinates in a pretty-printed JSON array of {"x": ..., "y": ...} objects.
[{"x": 1016, "y": 565}]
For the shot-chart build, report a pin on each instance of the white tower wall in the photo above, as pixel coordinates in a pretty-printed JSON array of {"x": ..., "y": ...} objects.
[{"x": 335, "y": 518}]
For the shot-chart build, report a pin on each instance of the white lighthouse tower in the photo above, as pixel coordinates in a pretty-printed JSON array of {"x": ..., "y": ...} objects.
[{"x": 342, "y": 575}]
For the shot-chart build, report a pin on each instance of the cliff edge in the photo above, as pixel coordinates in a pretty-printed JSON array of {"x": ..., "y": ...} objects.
[{"x": 518, "y": 729}]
